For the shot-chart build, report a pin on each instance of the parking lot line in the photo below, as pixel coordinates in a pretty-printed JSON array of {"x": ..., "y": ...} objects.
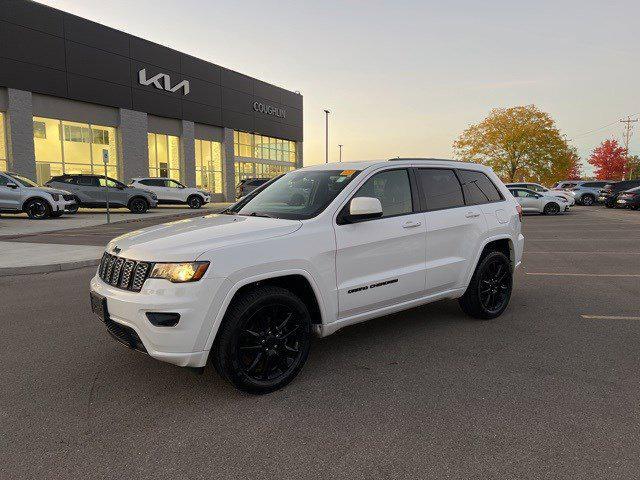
[
  {"x": 608, "y": 317},
  {"x": 594, "y": 252},
  {"x": 563, "y": 274}
]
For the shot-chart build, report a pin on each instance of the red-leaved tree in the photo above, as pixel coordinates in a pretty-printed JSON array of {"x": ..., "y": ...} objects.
[{"x": 609, "y": 160}]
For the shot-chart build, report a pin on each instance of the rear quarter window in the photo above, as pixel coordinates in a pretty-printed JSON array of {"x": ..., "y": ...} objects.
[{"x": 478, "y": 188}]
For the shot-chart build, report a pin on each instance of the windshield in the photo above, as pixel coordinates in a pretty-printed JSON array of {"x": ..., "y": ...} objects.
[
  {"x": 25, "y": 182},
  {"x": 297, "y": 195}
]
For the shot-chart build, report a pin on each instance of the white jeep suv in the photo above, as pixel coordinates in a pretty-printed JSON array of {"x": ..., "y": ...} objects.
[
  {"x": 312, "y": 251},
  {"x": 172, "y": 192}
]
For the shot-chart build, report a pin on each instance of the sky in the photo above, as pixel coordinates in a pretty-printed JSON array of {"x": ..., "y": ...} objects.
[{"x": 405, "y": 78}]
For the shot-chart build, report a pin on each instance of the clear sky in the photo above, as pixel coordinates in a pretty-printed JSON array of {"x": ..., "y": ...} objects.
[{"x": 406, "y": 77}]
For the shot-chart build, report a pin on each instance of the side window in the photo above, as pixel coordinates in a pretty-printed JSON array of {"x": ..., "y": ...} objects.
[
  {"x": 110, "y": 182},
  {"x": 148, "y": 183},
  {"x": 478, "y": 189},
  {"x": 515, "y": 193},
  {"x": 392, "y": 188},
  {"x": 88, "y": 181},
  {"x": 173, "y": 184},
  {"x": 3, "y": 181},
  {"x": 441, "y": 188}
]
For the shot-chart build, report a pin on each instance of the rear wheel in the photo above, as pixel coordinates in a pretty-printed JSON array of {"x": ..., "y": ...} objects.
[
  {"x": 194, "y": 201},
  {"x": 588, "y": 200},
  {"x": 138, "y": 205},
  {"x": 489, "y": 291},
  {"x": 38, "y": 209},
  {"x": 264, "y": 340},
  {"x": 551, "y": 208}
]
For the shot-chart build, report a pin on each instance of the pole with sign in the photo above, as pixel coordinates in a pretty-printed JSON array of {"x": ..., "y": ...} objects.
[{"x": 105, "y": 159}]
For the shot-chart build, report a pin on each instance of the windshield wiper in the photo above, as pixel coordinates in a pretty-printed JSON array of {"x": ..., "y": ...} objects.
[
  {"x": 228, "y": 211},
  {"x": 256, "y": 214}
]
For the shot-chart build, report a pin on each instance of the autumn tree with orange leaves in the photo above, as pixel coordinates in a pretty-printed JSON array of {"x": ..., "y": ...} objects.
[{"x": 609, "y": 160}]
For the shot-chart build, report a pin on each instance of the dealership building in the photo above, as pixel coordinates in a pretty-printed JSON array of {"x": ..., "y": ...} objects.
[{"x": 74, "y": 94}]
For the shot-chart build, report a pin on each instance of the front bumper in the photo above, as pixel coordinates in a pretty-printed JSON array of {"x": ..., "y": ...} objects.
[
  {"x": 62, "y": 205},
  {"x": 182, "y": 344}
]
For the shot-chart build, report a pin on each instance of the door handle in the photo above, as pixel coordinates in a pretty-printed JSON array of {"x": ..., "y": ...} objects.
[
  {"x": 411, "y": 224},
  {"x": 472, "y": 215}
]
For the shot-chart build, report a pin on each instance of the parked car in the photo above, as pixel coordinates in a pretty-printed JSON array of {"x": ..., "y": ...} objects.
[
  {"x": 536, "y": 187},
  {"x": 89, "y": 191},
  {"x": 246, "y": 289},
  {"x": 586, "y": 193},
  {"x": 172, "y": 192},
  {"x": 20, "y": 194},
  {"x": 566, "y": 184},
  {"x": 629, "y": 199},
  {"x": 543, "y": 203},
  {"x": 248, "y": 185},
  {"x": 609, "y": 193}
]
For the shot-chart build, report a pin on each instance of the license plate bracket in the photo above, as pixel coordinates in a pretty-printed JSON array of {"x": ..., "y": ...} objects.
[{"x": 99, "y": 306}]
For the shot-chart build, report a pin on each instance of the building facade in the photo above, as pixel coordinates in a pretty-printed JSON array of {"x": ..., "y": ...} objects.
[{"x": 76, "y": 96}]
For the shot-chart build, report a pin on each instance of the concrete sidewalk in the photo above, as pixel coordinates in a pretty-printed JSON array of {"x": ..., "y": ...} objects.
[{"x": 25, "y": 258}]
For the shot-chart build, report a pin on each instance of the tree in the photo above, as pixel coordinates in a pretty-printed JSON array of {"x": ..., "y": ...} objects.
[
  {"x": 609, "y": 160},
  {"x": 633, "y": 167},
  {"x": 520, "y": 144}
]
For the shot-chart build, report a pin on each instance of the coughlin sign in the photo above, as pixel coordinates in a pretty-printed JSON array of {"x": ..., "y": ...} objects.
[{"x": 269, "y": 109}]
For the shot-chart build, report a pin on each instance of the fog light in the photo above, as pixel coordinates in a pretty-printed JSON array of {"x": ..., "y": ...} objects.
[{"x": 160, "y": 319}]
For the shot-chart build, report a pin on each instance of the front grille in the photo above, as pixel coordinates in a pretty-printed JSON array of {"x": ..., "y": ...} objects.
[
  {"x": 68, "y": 197},
  {"x": 123, "y": 273}
]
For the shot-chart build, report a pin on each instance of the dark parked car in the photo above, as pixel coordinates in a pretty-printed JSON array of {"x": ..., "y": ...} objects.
[
  {"x": 609, "y": 194},
  {"x": 90, "y": 192},
  {"x": 248, "y": 185},
  {"x": 629, "y": 199}
]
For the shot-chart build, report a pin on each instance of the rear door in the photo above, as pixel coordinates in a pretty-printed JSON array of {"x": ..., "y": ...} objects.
[
  {"x": 453, "y": 228},
  {"x": 381, "y": 261}
]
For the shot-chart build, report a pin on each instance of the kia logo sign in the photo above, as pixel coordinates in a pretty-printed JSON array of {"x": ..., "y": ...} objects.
[
  {"x": 162, "y": 81},
  {"x": 269, "y": 109}
]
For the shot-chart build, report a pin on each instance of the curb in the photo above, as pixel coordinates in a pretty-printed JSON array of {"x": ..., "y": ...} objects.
[{"x": 54, "y": 267}]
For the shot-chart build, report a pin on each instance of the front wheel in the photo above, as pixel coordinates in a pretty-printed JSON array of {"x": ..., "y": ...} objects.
[
  {"x": 38, "y": 209},
  {"x": 194, "y": 201},
  {"x": 138, "y": 205},
  {"x": 489, "y": 291},
  {"x": 587, "y": 200},
  {"x": 264, "y": 340},
  {"x": 551, "y": 209}
]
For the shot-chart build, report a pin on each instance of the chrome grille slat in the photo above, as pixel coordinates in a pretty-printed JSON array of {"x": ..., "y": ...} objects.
[{"x": 123, "y": 273}]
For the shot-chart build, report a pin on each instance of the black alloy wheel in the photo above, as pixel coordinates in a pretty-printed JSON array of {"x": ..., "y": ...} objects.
[
  {"x": 264, "y": 340},
  {"x": 551, "y": 208},
  {"x": 489, "y": 291},
  {"x": 73, "y": 208},
  {"x": 138, "y": 205},
  {"x": 194, "y": 202},
  {"x": 38, "y": 209},
  {"x": 587, "y": 200}
]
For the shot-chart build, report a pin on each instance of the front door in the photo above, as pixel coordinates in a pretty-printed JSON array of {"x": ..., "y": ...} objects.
[
  {"x": 175, "y": 191},
  {"x": 380, "y": 262}
]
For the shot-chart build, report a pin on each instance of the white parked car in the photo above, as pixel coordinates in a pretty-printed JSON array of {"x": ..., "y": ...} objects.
[
  {"x": 568, "y": 195},
  {"x": 534, "y": 202},
  {"x": 172, "y": 192},
  {"x": 316, "y": 250}
]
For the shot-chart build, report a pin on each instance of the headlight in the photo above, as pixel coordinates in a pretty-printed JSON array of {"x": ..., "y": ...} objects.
[{"x": 179, "y": 272}]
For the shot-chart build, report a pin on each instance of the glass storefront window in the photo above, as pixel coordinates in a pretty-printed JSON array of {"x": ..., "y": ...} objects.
[
  {"x": 261, "y": 147},
  {"x": 71, "y": 147},
  {"x": 3, "y": 145},
  {"x": 209, "y": 165},
  {"x": 164, "y": 156},
  {"x": 246, "y": 170}
]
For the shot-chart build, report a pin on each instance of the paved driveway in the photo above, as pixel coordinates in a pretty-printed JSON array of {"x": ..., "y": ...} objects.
[{"x": 549, "y": 390}]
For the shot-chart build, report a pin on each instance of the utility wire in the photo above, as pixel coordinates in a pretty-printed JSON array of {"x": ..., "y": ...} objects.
[{"x": 600, "y": 128}]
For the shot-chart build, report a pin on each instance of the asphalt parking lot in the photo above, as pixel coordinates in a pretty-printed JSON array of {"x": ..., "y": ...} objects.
[{"x": 549, "y": 390}]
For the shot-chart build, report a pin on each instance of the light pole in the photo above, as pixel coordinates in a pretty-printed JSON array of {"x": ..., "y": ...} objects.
[
  {"x": 105, "y": 160},
  {"x": 340, "y": 147},
  {"x": 326, "y": 136}
]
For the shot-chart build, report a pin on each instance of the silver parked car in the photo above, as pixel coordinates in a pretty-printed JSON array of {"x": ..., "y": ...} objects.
[
  {"x": 19, "y": 194},
  {"x": 90, "y": 192},
  {"x": 537, "y": 202},
  {"x": 587, "y": 192}
]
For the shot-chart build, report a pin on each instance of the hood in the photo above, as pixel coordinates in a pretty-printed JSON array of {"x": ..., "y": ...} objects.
[
  {"x": 186, "y": 240},
  {"x": 52, "y": 190}
]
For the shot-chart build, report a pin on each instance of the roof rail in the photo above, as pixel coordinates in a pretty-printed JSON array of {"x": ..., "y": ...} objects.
[{"x": 399, "y": 159}]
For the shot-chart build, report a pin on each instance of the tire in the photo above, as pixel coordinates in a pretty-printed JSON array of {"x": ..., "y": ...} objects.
[
  {"x": 256, "y": 349},
  {"x": 489, "y": 290},
  {"x": 138, "y": 205},
  {"x": 56, "y": 214},
  {"x": 551, "y": 208},
  {"x": 38, "y": 209},
  {"x": 587, "y": 200},
  {"x": 609, "y": 205},
  {"x": 195, "y": 201}
]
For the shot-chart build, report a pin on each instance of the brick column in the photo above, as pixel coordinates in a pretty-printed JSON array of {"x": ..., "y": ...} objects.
[
  {"x": 228, "y": 165},
  {"x": 20, "y": 150},
  {"x": 188, "y": 153},
  {"x": 133, "y": 150},
  {"x": 299, "y": 162}
]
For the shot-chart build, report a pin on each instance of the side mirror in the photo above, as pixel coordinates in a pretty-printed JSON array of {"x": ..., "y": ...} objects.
[
  {"x": 12, "y": 185},
  {"x": 363, "y": 208}
]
